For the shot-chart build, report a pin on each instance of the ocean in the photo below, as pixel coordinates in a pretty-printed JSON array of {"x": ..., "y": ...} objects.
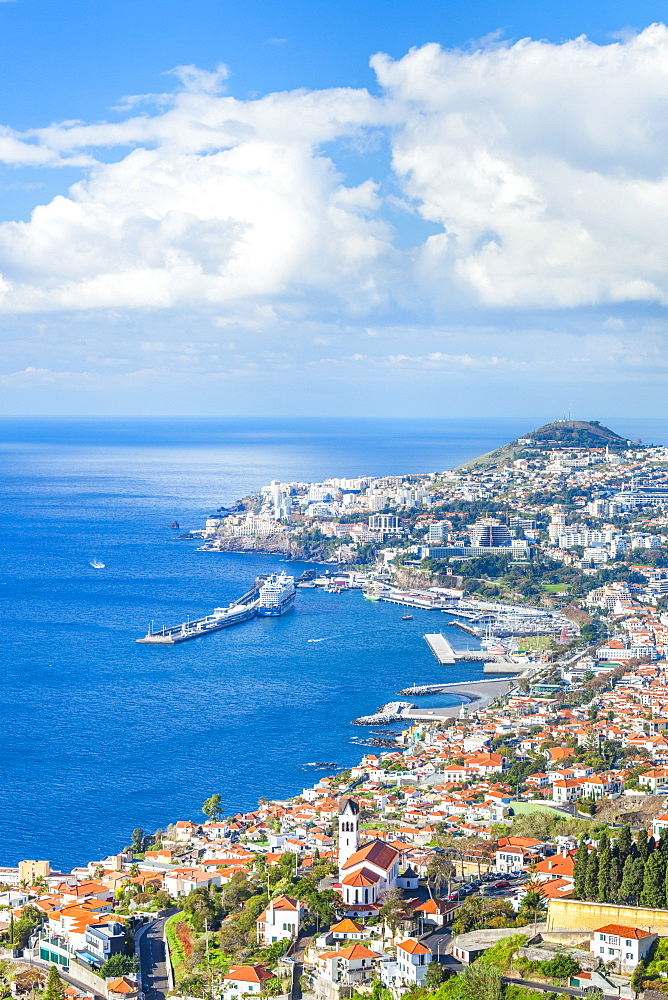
[{"x": 101, "y": 735}]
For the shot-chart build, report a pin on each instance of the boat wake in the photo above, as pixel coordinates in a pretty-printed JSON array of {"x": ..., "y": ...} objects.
[
  {"x": 96, "y": 564},
  {"x": 324, "y": 639}
]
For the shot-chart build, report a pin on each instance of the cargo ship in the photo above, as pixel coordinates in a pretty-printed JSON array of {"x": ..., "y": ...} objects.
[{"x": 277, "y": 595}]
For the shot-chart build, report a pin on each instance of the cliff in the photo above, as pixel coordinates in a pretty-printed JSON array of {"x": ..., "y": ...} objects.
[{"x": 281, "y": 543}]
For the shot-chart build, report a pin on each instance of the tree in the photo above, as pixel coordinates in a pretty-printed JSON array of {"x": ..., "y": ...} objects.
[
  {"x": 580, "y": 870},
  {"x": 638, "y": 976},
  {"x": 603, "y": 895},
  {"x": 119, "y": 965},
  {"x": 591, "y": 878},
  {"x": 615, "y": 878},
  {"x": 642, "y": 845},
  {"x": 480, "y": 982},
  {"x": 434, "y": 975},
  {"x": 624, "y": 844},
  {"x": 203, "y": 906},
  {"x": 440, "y": 869},
  {"x": 213, "y": 807},
  {"x": 654, "y": 882},
  {"x": 21, "y": 929},
  {"x": 55, "y": 989},
  {"x": 560, "y": 967},
  {"x": 137, "y": 840},
  {"x": 632, "y": 880},
  {"x": 393, "y": 910}
]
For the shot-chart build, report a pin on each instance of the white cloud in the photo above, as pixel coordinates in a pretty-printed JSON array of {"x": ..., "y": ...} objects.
[{"x": 544, "y": 164}]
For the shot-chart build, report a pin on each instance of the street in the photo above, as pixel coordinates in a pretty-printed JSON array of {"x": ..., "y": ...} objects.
[{"x": 153, "y": 960}]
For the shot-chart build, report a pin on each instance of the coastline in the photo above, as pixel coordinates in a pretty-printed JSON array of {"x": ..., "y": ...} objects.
[{"x": 484, "y": 693}]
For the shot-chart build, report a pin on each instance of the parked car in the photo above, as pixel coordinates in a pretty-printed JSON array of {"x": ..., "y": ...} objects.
[{"x": 502, "y": 885}]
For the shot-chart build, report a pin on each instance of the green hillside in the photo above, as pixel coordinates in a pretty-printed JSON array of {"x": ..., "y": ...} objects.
[{"x": 559, "y": 434}]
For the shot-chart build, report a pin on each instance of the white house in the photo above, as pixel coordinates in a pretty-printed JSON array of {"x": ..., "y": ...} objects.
[
  {"x": 181, "y": 881},
  {"x": 626, "y": 945},
  {"x": 349, "y": 965},
  {"x": 281, "y": 919},
  {"x": 243, "y": 979},
  {"x": 410, "y": 968}
]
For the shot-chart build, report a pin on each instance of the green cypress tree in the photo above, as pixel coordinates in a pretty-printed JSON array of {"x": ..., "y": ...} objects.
[
  {"x": 627, "y": 879},
  {"x": 591, "y": 878},
  {"x": 603, "y": 895},
  {"x": 637, "y": 879},
  {"x": 580, "y": 870},
  {"x": 623, "y": 844},
  {"x": 55, "y": 989},
  {"x": 615, "y": 878},
  {"x": 654, "y": 882},
  {"x": 603, "y": 843},
  {"x": 642, "y": 846}
]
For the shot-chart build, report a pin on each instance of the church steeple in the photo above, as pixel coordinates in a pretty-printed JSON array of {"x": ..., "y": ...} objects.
[{"x": 348, "y": 829}]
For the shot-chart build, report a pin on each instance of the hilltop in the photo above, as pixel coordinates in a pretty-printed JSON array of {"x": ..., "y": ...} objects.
[{"x": 558, "y": 434}]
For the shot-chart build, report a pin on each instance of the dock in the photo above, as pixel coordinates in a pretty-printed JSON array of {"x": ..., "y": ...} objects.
[
  {"x": 241, "y": 610},
  {"x": 440, "y": 647},
  {"x": 446, "y": 655}
]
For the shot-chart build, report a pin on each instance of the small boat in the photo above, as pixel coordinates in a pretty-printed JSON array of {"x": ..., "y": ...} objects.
[
  {"x": 175, "y": 525},
  {"x": 407, "y": 618},
  {"x": 96, "y": 564}
]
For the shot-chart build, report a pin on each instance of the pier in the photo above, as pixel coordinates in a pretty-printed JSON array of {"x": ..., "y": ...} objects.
[
  {"x": 239, "y": 611},
  {"x": 440, "y": 647},
  {"x": 446, "y": 655}
]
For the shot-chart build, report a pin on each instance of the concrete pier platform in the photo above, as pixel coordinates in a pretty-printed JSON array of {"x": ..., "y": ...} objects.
[{"x": 440, "y": 647}]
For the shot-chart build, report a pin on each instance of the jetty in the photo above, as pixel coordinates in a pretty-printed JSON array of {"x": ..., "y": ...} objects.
[
  {"x": 241, "y": 610},
  {"x": 392, "y": 712},
  {"x": 440, "y": 647},
  {"x": 446, "y": 655}
]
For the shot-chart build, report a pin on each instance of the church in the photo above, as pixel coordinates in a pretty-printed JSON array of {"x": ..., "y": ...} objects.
[{"x": 365, "y": 872}]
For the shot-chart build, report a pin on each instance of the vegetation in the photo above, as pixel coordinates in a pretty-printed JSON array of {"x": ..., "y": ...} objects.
[
  {"x": 622, "y": 871},
  {"x": 55, "y": 988},
  {"x": 213, "y": 807},
  {"x": 119, "y": 965}
]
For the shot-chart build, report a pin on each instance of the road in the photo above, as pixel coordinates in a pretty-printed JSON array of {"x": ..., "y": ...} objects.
[
  {"x": 153, "y": 959},
  {"x": 547, "y": 988},
  {"x": 65, "y": 976}
]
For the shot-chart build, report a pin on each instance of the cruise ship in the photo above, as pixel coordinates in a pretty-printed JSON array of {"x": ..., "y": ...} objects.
[{"x": 277, "y": 595}]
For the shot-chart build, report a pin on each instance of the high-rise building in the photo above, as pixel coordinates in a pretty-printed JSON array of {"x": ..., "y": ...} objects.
[{"x": 489, "y": 531}]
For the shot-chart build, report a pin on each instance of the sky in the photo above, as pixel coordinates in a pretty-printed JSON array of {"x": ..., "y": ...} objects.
[{"x": 355, "y": 208}]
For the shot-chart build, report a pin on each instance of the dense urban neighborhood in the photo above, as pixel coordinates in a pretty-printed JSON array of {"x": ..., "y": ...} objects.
[{"x": 515, "y": 847}]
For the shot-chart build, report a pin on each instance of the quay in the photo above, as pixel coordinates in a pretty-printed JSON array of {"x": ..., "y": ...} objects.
[
  {"x": 239, "y": 611},
  {"x": 446, "y": 655},
  {"x": 441, "y": 648}
]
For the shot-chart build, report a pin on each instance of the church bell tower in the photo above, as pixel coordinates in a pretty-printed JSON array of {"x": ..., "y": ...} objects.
[{"x": 348, "y": 829}]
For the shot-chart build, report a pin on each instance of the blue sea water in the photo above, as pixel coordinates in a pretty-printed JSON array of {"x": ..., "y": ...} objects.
[{"x": 100, "y": 734}]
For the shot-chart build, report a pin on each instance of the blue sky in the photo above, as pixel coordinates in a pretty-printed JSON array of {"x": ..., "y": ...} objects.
[{"x": 306, "y": 208}]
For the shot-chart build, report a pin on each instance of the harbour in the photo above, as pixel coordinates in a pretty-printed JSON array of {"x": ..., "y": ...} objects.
[{"x": 269, "y": 596}]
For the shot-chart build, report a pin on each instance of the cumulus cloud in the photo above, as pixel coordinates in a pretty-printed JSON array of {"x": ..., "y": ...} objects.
[{"x": 543, "y": 164}]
